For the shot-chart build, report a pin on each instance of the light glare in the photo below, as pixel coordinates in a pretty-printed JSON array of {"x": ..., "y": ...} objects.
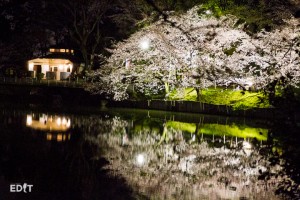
[
  {"x": 145, "y": 44},
  {"x": 208, "y": 12},
  {"x": 140, "y": 159},
  {"x": 29, "y": 120}
]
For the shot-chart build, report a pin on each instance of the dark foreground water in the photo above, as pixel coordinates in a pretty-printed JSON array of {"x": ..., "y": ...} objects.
[{"x": 130, "y": 154}]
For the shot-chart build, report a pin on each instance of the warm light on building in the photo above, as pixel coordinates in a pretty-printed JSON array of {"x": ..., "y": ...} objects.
[
  {"x": 30, "y": 66},
  {"x": 45, "y": 68},
  {"x": 54, "y": 50},
  {"x": 57, "y": 65},
  {"x": 70, "y": 67},
  {"x": 60, "y": 67}
]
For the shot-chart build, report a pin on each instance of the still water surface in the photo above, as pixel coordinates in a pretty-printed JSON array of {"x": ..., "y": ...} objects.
[{"x": 131, "y": 154}]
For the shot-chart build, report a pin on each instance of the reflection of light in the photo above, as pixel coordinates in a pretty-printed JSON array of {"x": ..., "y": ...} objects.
[
  {"x": 29, "y": 120},
  {"x": 45, "y": 122},
  {"x": 59, "y": 137},
  {"x": 64, "y": 121},
  {"x": 58, "y": 121},
  {"x": 43, "y": 118},
  {"x": 193, "y": 138},
  {"x": 246, "y": 145},
  {"x": 145, "y": 44},
  {"x": 208, "y": 12},
  {"x": 247, "y": 148},
  {"x": 140, "y": 159},
  {"x": 49, "y": 136},
  {"x": 68, "y": 123}
]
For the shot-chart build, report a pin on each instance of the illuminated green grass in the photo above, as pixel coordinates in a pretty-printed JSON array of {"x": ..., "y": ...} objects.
[
  {"x": 235, "y": 131},
  {"x": 221, "y": 130},
  {"x": 188, "y": 127},
  {"x": 239, "y": 100}
]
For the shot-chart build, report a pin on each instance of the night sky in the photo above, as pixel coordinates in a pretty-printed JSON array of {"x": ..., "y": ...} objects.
[{"x": 29, "y": 27}]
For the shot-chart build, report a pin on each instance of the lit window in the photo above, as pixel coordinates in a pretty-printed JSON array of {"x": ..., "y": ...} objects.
[
  {"x": 52, "y": 50},
  {"x": 62, "y": 50}
]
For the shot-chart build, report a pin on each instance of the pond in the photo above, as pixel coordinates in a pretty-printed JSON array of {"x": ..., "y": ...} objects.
[{"x": 140, "y": 154}]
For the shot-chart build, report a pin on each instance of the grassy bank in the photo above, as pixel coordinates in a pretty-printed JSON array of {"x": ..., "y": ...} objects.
[{"x": 240, "y": 100}]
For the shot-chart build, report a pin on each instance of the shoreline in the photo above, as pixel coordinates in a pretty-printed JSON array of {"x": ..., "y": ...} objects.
[{"x": 65, "y": 97}]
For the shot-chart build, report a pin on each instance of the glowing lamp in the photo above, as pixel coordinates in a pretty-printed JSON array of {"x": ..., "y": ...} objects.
[
  {"x": 145, "y": 45},
  {"x": 140, "y": 159}
]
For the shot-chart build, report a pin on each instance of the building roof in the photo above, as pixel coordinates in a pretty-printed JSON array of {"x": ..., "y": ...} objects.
[{"x": 70, "y": 57}]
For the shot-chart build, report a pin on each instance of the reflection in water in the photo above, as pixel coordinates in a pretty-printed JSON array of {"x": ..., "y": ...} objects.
[
  {"x": 57, "y": 126},
  {"x": 57, "y": 170},
  {"x": 48, "y": 122},
  {"x": 59, "y": 137},
  {"x": 160, "y": 157},
  {"x": 180, "y": 160}
]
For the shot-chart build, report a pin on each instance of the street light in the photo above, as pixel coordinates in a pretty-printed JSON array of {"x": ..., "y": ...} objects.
[
  {"x": 140, "y": 159},
  {"x": 145, "y": 44}
]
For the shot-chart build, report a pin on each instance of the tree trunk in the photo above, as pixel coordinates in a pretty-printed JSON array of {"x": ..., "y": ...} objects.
[
  {"x": 198, "y": 94},
  {"x": 85, "y": 59},
  {"x": 167, "y": 88}
]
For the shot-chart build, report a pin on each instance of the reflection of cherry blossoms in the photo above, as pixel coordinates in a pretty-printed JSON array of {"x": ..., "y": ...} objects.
[{"x": 170, "y": 165}]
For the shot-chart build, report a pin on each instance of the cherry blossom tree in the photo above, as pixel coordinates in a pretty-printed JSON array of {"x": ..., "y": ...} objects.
[
  {"x": 159, "y": 57},
  {"x": 279, "y": 64},
  {"x": 198, "y": 51}
]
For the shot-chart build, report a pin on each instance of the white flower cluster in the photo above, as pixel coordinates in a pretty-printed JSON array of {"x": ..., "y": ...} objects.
[{"x": 199, "y": 51}]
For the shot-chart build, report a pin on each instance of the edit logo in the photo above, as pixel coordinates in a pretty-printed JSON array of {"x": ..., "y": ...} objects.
[{"x": 20, "y": 187}]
